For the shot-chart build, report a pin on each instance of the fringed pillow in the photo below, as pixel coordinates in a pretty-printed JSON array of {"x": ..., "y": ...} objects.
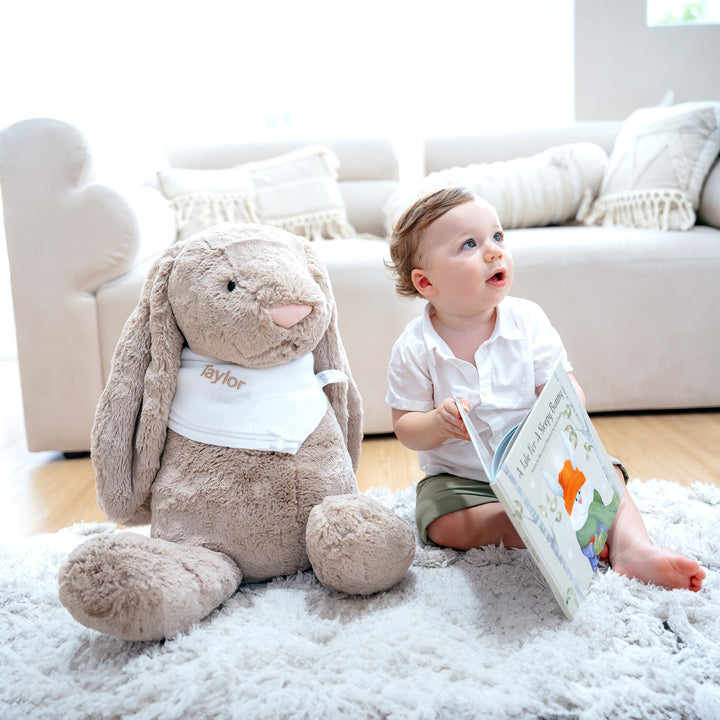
[
  {"x": 298, "y": 192},
  {"x": 657, "y": 167},
  {"x": 201, "y": 198},
  {"x": 548, "y": 188}
]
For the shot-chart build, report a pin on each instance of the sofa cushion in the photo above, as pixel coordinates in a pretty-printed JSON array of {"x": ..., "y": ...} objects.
[
  {"x": 657, "y": 167},
  {"x": 297, "y": 191},
  {"x": 201, "y": 198},
  {"x": 550, "y": 187}
]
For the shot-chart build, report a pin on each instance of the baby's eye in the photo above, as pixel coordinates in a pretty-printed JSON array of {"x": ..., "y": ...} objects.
[
  {"x": 469, "y": 243},
  {"x": 498, "y": 237}
]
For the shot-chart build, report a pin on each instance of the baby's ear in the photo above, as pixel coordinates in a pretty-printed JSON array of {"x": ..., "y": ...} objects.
[{"x": 421, "y": 282}]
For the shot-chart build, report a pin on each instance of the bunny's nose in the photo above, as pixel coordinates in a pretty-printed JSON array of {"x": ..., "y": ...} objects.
[{"x": 288, "y": 315}]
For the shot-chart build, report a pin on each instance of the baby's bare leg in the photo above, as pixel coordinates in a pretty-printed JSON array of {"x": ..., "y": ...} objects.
[
  {"x": 633, "y": 554},
  {"x": 473, "y": 527}
]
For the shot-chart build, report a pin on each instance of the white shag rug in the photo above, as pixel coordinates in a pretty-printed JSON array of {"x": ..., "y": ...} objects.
[{"x": 465, "y": 635}]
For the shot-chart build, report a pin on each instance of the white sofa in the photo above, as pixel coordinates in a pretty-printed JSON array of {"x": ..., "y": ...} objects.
[{"x": 637, "y": 308}]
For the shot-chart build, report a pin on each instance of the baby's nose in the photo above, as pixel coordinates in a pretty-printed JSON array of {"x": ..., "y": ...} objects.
[
  {"x": 286, "y": 316},
  {"x": 492, "y": 252}
]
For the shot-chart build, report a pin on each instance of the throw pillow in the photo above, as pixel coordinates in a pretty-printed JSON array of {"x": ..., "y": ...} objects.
[
  {"x": 657, "y": 167},
  {"x": 201, "y": 198},
  {"x": 548, "y": 188},
  {"x": 299, "y": 193}
]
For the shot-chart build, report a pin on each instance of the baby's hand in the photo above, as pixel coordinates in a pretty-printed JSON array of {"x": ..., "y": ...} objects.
[{"x": 448, "y": 421}]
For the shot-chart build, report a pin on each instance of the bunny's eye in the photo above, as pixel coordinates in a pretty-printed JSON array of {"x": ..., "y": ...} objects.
[{"x": 231, "y": 285}]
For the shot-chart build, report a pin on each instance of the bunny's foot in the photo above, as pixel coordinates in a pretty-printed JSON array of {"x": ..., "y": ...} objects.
[
  {"x": 357, "y": 546},
  {"x": 140, "y": 588}
]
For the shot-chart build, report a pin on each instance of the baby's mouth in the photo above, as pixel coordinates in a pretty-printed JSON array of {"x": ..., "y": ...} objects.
[{"x": 498, "y": 279}]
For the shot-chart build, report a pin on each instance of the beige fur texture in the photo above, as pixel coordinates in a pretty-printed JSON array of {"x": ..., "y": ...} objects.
[{"x": 220, "y": 516}]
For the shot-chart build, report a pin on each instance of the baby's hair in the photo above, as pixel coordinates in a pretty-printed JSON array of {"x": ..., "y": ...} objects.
[{"x": 408, "y": 232}]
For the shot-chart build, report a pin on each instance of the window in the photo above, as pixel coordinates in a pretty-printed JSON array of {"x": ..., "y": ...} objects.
[{"x": 677, "y": 12}]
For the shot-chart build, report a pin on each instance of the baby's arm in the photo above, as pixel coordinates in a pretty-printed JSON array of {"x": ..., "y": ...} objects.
[{"x": 427, "y": 430}]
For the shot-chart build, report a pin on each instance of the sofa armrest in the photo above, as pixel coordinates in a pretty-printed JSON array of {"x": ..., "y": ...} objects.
[
  {"x": 66, "y": 236},
  {"x": 709, "y": 208},
  {"x": 61, "y": 224}
]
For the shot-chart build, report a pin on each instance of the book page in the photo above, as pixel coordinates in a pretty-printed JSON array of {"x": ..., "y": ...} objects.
[
  {"x": 482, "y": 453},
  {"x": 560, "y": 489}
]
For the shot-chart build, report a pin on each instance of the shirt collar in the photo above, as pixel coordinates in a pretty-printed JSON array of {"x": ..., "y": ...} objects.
[
  {"x": 504, "y": 328},
  {"x": 505, "y": 325}
]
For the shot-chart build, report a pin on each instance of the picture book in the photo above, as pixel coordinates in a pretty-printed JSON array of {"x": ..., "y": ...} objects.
[{"x": 557, "y": 485}]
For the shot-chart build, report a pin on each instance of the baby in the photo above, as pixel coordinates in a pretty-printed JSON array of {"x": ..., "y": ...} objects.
[{"x": 496, "y": 352}]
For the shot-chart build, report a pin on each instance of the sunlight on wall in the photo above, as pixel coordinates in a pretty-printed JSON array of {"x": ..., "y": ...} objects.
[{"x": 140, "y": 75}]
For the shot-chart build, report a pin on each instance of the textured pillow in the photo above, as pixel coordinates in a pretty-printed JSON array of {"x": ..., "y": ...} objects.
[
  {"x": 657, "y": 167},
  {"x": 299, "y": 193},
  {"x": 551, "y": 187},
  {"x": 201, "y": 198}
]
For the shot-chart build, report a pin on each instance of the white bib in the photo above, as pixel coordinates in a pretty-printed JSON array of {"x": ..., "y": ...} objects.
[{"x": 273, "y": 408}]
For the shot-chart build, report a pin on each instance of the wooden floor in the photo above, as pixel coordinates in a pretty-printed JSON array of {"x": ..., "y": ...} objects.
[{"x": 43, "y": 492}]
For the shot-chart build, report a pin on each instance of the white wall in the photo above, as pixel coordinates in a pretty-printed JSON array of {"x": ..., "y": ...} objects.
[
  {"x": 621, "y": 64},
  {"x": 140, "y": 74}
]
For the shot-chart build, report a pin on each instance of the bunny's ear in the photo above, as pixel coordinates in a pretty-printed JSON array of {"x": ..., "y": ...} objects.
[
  {"x": 131, "y": 418},
  {"x": 330, "y": 354}
]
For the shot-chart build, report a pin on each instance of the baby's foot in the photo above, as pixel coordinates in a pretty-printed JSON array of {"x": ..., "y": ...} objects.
[{"x": 655, "y": 565}]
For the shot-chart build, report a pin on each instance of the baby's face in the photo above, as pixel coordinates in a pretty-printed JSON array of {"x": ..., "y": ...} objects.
[{"x": 465, "y": 266}]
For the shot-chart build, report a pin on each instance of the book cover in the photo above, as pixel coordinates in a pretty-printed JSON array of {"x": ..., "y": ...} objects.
[{"x": 557, "y": 485}]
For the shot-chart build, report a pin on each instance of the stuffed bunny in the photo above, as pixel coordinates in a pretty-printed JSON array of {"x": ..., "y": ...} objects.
[{"x": 214, "y": 428}]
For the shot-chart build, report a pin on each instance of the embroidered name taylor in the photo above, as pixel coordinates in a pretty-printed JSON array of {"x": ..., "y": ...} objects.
[
  {"x": 214, "y": 375},
  {"x": 272, "y": 408}
]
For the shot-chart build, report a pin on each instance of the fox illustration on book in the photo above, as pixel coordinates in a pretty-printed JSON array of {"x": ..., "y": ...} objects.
[{"x": 590, "y": 516}]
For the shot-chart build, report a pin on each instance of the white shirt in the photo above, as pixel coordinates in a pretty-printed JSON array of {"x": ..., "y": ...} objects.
[
  {"x": 518, "y": 357},
  {"x": 274, "y": 408}
]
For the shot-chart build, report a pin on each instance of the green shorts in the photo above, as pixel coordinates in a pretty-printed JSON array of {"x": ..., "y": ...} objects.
[{"x": 437, "y": 495}]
